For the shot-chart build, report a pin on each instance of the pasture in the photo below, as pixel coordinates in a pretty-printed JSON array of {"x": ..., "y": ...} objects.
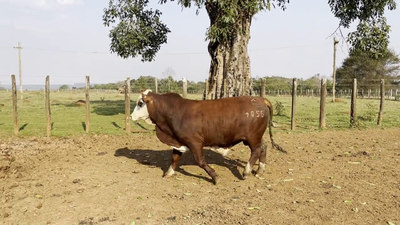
[
  {"x": 107, "y": 114},
  {"x": 335, "y": 176}
]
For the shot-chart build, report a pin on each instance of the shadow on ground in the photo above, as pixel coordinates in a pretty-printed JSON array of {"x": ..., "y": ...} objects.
[{"x": 162, "y": 159}]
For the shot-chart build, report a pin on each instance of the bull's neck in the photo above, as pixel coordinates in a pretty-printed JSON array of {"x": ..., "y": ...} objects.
[{"x": 164, "y": 107}]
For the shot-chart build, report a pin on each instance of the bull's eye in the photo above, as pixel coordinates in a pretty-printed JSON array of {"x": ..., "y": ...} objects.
[{"x": 140, "y": 102}]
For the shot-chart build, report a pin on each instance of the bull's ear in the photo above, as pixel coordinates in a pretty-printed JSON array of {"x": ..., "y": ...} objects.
[{"x": 146, "y": 98}]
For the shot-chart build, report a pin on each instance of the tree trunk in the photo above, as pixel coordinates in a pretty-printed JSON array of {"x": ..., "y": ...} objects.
[{"x": 230, "y": 61}]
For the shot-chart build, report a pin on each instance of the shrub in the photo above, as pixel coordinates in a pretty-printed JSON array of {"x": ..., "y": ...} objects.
[{"x": 279, "y": 108}]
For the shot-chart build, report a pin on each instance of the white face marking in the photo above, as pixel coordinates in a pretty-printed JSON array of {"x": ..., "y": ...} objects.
[{"x": 141, "y": 112}]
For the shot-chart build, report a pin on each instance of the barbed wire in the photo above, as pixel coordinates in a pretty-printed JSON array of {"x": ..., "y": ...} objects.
[{"x": 169, "y": 53}]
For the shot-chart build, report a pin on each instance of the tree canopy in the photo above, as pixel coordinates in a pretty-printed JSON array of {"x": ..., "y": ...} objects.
[
  {"x": 368, "y": 70},
  {"x": 140, "y": 31},
  {"x": 372, "y": 34}
]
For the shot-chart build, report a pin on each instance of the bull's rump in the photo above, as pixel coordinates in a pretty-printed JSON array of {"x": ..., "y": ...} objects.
[{"x": 222, "y": 122}]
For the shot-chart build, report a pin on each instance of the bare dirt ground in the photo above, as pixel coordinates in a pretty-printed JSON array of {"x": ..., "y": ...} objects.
[{"x": 328, "y": 177}]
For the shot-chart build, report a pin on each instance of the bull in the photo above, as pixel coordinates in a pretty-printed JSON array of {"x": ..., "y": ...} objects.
[{"x": 193, "y": 125}]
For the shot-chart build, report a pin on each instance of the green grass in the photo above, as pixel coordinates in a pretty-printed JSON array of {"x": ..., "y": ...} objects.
[
  {"x": 337, "y": 114},
  {"x": 108, "y": 113}
]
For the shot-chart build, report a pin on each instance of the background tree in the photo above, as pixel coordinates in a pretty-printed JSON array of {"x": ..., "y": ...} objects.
[
  {"x": 372, "y": 34},
  {"x": 368, "y": 71},
  {"x": 140, "y": 31},
  {"x": 64, "y": 87},
  {"x": 168, "y": 85},
  {"x": 143, "y": 82},
  {"x": 275, "y": 83},
  {"x": 109, "y": 86}
]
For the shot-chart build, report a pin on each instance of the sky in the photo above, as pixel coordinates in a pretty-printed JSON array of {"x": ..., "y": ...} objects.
[{"x": 67, "y": 40}]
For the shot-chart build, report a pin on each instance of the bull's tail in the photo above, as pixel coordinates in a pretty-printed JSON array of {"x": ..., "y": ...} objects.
[{"x": 270, "y": 125}]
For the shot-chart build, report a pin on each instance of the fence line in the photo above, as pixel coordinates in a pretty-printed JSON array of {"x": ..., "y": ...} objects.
[{"x": 353, "y": 93}]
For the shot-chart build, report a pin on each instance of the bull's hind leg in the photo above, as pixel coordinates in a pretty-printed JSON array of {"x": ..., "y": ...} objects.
[
  {"x": 256, "y": 152},
  {"x": 262, "y": 159},
  {"x": 201, "y": 162},
  {"x": 176, "y": 156}
]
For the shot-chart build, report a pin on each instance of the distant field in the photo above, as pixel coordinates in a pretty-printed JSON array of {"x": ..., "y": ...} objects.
[{"x": 107, "y": 113}]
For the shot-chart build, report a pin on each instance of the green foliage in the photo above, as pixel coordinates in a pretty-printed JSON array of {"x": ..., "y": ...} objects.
[
  {"x": 109, "y": 86},
  {"x": 313, "y": 82},
  {"x": 256, "y": 83},
  {"x": 372, "y": 32},
  {"x": 165, "y": 85},
  {"x": 278, "y": 83},
  {"x": 370, "y": 113},
  {"x": 107, "y": 117},
  {"x": 139, "y": 30},
  {"x": 366, "y": 70},
  {"x": 371, "y": 36},
  {"x": 143, "y": 82},
  {"x": 64, "y": 87},
  {"x": 168, "y": 85},
  {"x": 279, "y": 108}
]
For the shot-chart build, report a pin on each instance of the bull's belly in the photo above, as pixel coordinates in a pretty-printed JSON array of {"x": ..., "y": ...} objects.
[{"x": 222, "y": 151}]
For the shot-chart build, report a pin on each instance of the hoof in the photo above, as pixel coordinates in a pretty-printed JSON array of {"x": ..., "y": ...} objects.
[
  {"x": 246, "y": 171},
  {"x": 169, "y": 173},
  {"x": 215, "y": 180},
  {"x": 261, "y": 168},
  {"x": 166, "y": 176}
]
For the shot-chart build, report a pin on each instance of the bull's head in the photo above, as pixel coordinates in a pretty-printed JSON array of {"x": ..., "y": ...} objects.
[{"x": 140, "y": 111}]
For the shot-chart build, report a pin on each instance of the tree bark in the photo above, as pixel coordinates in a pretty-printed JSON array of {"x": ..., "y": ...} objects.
[{"x": 230, "y": 61}]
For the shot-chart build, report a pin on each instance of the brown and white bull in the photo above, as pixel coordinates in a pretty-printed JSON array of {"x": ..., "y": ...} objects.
[{"x": 195, "y": 124}]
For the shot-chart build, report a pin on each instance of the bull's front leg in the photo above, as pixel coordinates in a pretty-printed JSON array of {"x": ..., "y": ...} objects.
[
  {"x": 197, "y": 151},
  {"x": 176, "y": 156}
]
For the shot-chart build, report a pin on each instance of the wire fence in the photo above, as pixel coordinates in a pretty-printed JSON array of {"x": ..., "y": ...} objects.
[{"x": 108, "y": 107}]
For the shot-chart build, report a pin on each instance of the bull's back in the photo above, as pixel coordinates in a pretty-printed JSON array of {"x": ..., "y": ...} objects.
[{"x": 225, "y": 121}]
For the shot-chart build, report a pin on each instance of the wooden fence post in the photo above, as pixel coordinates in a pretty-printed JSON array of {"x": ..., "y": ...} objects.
[
  {"x": 127, "y": 105},
  {"x": 353, "y": 118},
  {"x": 322, "y": 112},
  {"x": 155, "y": 81},
  {"x": 380, "y": 114},
  {"x": 87, "y": 123},
  {"x": 262, "y": 91},
  {"x": 14, "y": 103},
  {"x": 335, "y": 42},
  {"x": 47, "y": 106},
  {"x": 184, "y": 86},
  {"x": 294, "y": 95}
]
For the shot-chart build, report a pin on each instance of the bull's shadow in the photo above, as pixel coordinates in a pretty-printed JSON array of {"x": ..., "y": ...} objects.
[{"x": 162, "y": 160}]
